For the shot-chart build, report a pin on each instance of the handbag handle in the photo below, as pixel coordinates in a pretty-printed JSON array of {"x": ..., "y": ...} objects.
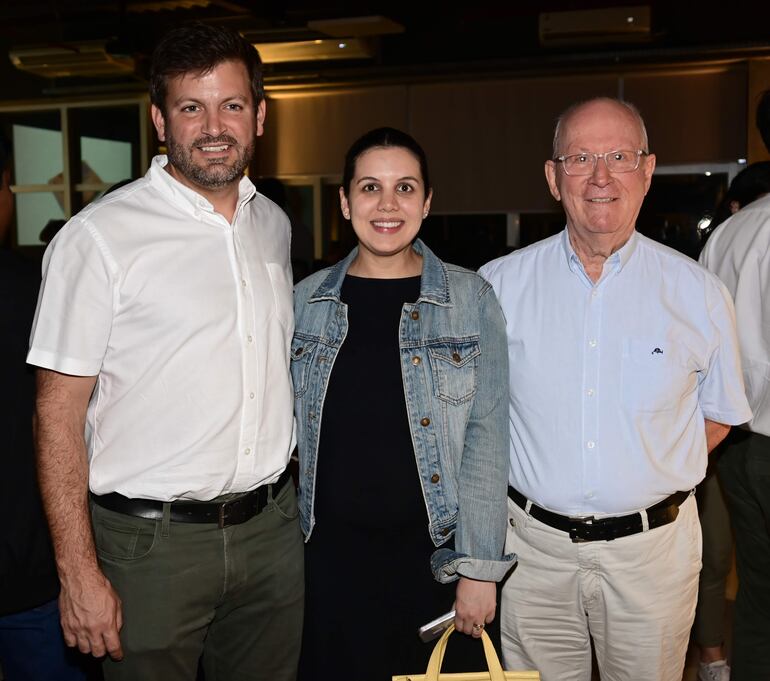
[{"x": 437, "y": 657}]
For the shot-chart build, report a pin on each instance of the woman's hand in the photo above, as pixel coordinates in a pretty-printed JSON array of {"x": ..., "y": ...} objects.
[{"x": 475, "y": 603}]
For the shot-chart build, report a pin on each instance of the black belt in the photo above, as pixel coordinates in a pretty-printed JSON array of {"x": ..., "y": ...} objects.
[
  {"x": 583, "y": 529},
  {"x": 233, "y": 512}
]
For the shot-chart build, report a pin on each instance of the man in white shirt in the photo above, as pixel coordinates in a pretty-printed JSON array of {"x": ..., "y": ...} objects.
[
  {"x": 624, "y": 373},
  {"x": 738, "y": 252},
  {"x": 162, "y": 332}
]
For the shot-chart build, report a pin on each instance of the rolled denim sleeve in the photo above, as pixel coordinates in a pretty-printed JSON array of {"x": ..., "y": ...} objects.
[{"x": 483, "y": 474}]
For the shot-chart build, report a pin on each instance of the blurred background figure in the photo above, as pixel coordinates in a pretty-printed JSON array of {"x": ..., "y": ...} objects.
[
  {"x": 708, "y": 633},
  {"x": 739, "y": 253},
  {"x": 748, "y": 185},
  {"x": 31, "y": 644}
]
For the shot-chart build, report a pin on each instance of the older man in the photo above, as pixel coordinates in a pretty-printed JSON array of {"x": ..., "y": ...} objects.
[
  {"x": 162, "y": 333},
  {"x": 624, "y": 373}
]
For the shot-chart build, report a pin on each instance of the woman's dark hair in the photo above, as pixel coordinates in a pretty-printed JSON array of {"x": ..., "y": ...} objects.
[
  {"x": 199, "y": 48},
  {"x": 747, "y": 186},
  {"x": 383, "y": 138}
]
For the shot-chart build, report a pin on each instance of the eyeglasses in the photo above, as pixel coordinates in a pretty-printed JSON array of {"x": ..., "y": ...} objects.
[{"x": 619, "y": 161}]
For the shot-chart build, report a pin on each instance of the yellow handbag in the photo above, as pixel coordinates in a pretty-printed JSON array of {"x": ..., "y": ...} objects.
[{"x": 495, "y": 672}]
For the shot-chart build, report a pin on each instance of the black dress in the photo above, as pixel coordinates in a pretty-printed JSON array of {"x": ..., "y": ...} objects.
[{"x": 368, "y": 581}]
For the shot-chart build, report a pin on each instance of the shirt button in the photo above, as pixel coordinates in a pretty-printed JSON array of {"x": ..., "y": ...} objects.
[
  {"x": 247, "y": 451},
  {"x": 250, "y": 339},
  {"x": 243, "y": 282},
  {"x": 251, "y": 396},
  {"x": 594, "y": 293},
  {"x": 589, "y": 495},
  {"x": 416, "y": 360},
  {"x": 435, "y": 478},
  {"x": 415, "y": 314},
  {"x": 592, "y": 342},
  {"x": 590, "y": 444},
  {"x": 424, "y": 421},
  {"x": 590, "y": 392},
  {"x": 456, "y": 358}
]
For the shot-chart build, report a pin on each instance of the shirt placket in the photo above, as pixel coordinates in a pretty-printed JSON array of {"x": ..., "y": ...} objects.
[
  {"x": 590, "y": 444},
  {"x": 246, "y": 462}
]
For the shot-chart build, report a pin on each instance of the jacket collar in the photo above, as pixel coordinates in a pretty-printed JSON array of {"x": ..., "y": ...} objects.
[{"x": 434, "y": 282}]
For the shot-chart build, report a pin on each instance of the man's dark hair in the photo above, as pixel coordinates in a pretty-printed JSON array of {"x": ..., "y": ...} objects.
[
  {"x": 380, "y": 138},
  {"x": 199, "y": 48},
  {"x": 763, "y": 118}
]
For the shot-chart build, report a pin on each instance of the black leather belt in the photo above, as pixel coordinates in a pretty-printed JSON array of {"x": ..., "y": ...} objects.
[
  {"x": 232, "y": 512},
  {"x": 583, "y": 529}
]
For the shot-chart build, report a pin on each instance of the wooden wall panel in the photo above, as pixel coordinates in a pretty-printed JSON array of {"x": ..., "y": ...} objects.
[
  {"x": 695, "y": 117},
  {"x": 310, "y": 134}
]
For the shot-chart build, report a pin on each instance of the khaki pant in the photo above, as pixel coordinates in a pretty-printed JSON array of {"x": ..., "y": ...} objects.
[
  {"x": 232, "y": 597},
  {"x": 634, "y": 596}
]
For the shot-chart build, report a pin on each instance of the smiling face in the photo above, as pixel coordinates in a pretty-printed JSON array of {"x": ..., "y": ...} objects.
[
  {"x": 601, "y": 206},
  {"x": 210, "y": 126},
  {"x": 386, "y": 203}
]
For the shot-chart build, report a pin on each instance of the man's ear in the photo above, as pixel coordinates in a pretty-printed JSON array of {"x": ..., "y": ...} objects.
[
  {"x": 261, "y": 112},
  {"x": 159, "y": 122},
  {"x": 550, "y": 177}
]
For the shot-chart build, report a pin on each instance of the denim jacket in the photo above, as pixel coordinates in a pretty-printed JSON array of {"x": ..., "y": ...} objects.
[{"x": 454, "y": 365}]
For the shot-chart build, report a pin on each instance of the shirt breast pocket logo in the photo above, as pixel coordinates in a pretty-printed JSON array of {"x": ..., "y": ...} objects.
[
  {"x": 654, "y": 376},
  {"x": 303, "y": 350},
  {"x": 454, "y": 365}
]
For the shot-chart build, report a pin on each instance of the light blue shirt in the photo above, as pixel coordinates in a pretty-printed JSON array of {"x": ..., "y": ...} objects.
[{"x": 610, "y": 382}]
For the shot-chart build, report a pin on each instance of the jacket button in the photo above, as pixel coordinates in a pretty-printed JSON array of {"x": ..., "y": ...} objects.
[
  {"x": 456, "y": 357},
  {"x": 445, "y": 532},
  {"x": 435, "y": 478},
  {"x": 416, "y": 360},
  {"x": 415, "y": 314},
  {"x": 424, "y": 421}
]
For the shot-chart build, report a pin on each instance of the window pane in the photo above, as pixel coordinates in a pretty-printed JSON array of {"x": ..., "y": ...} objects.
[
  {"x": 37, "y": 145},
  {"x": 109, "y": 143},
  {"x": 33, "y": 211}
]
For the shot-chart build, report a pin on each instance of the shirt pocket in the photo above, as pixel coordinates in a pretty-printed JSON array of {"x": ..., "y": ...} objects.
[
  {"x": 454, "y": 365},
  {"x": 303, "y": 350},
  {"x": 282, "y": 294},
  {"x": 654, "y": 375}
]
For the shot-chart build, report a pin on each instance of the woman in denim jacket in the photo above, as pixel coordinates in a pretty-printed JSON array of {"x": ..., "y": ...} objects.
[{"x": 400, "y": 375}]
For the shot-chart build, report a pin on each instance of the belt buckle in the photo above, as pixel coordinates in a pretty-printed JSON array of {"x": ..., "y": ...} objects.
[{"x": 589, "y": 520}]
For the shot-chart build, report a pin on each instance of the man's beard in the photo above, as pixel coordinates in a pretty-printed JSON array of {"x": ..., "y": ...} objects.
[{"x": 215, "y": 173}]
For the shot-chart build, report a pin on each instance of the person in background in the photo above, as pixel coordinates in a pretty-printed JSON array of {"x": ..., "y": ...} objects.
[
  {"x": 399, "y": 366},
  {"x": 162, "y": 335},
  {"x": 624, "y": 374},
  {"x": 751, "y": 183},
  {"x": 31, "y": 643},
  {"x": 738, "y": 252}
]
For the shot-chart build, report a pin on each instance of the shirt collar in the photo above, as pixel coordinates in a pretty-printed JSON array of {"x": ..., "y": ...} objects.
[
  {"x": 186, "y": 195},
  {"x": 616, "y": 261}
]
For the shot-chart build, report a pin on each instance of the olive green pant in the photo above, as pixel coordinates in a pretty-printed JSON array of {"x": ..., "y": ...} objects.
[{"x": 230, "y": 597}]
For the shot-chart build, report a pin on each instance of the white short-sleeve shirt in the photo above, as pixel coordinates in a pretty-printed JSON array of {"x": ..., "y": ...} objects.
[
  {"x": 610, "y": 382},
  {"x": 738, "y": 252},
  {"x": 186, "y": 320}
]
